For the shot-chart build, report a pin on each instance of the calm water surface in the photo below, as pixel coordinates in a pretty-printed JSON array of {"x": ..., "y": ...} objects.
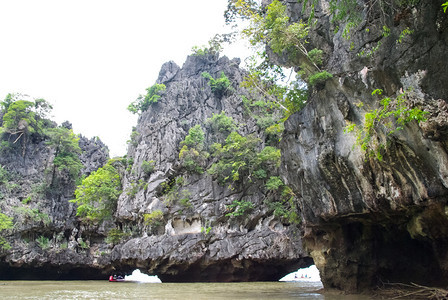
[{"x": 133, "y": 290}]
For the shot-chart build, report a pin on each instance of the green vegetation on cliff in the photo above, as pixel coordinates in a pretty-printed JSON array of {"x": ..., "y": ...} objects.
[
  {"x": 97, "y": 195},
  {"x": 5, "y": 224},
  {"x": 287, "y": 42},
  {"x": 153, "y": 94},
  {"x": 391, "y": 117},
  {"x": 25, "y": 120},
  {"x": 219, "y": 86},
  {"x": 270, "y": 26},
  {"x": 192, "y": 154},
  {"x": 66, "y": 146},
  {"x": 237, "y": 161}
]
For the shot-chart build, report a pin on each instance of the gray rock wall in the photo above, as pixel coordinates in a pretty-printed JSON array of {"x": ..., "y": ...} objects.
[
  {"x": 199, "y": 243},
  {"x": 193, "y": 238},
  {"x": 369, "y": 220},
  {"x": 42, "y": 212}
]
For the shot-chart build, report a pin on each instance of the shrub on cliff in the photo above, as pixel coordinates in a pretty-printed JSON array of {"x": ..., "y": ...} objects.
[
  {"x": 115, "y": 236},
  {"x": 98, "y": 193},
  {"x": 153, "y": 219},
  {"x": 5, "y": 224},
  {"x": 391, "y": 117},
  {"x": 192, "y": 155},
  {"x": 66, "y": 146},
  {"x": 239, "y": 208},
  {"x": 148, "y": 167},
  {"x": 144, "y": 102},
  {"x": 221, "y": 123},
  {"x": 219, "y": 86},
  {"x": 239, "y": 157},
  {"x": 23, "y": 118}
]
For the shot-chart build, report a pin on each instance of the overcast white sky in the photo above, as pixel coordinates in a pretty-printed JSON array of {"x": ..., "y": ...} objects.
[{"x": 91, "y": 58}]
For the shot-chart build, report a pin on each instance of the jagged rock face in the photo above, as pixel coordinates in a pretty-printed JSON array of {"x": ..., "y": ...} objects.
[
  {"x": 40, "y": 211},
  {"x": 366, "y": 219},
  {"x": 94, "y": 154},
  {"x": 199, "y": 242},
  {"x": 195, "y": 240},
  {"x": 188, "y": 101}
]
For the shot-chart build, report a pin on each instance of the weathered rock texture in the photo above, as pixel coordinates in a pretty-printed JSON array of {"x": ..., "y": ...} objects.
[
  {"x": 41, "y": 210},
  {"x": 369, "y": 220},
  {"x": 193, "y": 239},
  {"x": 198, "y": 242}
]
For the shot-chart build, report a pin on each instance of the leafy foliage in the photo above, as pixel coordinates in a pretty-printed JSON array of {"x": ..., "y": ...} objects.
[
  {"x": 31, "y": 216},
  {"x": 239, "y": 208},
  {"x": 144, "y": 102},
  {"x": 97, "y": 195},
  {"x": 5, "y": 224},
  {"x": 200, "y": 51},
  {"x": 219, "y": 86},
  {"x": 239, "y": 157},
  {"x": 4, "y": 175},
  {"x": 83, "y": 244},
  {"x": 271, "y": 26},
  {"x": 319, "y": 77},
  {"x": 185, "y": 199},
  {"x": 274, "y": 183},
  {"x": 214, "y": 45},
  {"x": 173, "y": 192},
  {"x": 43, "y": 242},
  {"x": 66, "y": 146},
  {"x": 191, "y": 155},
  {"x": 115, "y": 236},
  {"x": 391, "y": 117},
  {"x": 148, "y": 167},
  {"x": 195, "y": 138},
  {"x": 134, "y": 137},
  {"x": 22, "y": 118},
  {"x": 206, "y": 230},
  {"x": 191, "y": 159},
  {"x": 154, "y": 218},
  {"x": 222, "y": 123},
  {"x": 271, "y": 95}
]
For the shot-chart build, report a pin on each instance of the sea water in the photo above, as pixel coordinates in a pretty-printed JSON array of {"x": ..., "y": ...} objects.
[
  {"x": 303, "y": 284},
  {"x": 52, "y": 290}
]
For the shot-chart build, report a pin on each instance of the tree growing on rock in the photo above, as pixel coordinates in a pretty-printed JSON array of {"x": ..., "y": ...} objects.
[
  {"x": 23, "y": 118},
  {"x": 192, "y": 154},
  {"x": 5, "y": 224},
  {"x": 66, "y": 146},
  {"x": 142, "y": 103},
  {"x": 98, "y": 193}
]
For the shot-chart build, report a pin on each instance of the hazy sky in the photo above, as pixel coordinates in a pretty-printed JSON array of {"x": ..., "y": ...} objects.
[{"x": 91, "y": 58}]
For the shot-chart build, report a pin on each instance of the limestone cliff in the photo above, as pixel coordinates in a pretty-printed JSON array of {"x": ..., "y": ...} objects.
[
  {"x": 45, "y": 239},
  {"x": 173, "y": 217},
  {"x": 370, "y": 219},
  {"x": 196, "y": 239}
]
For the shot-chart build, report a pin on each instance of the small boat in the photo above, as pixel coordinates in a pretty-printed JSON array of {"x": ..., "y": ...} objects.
[{"x": 116, "y": 278}]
